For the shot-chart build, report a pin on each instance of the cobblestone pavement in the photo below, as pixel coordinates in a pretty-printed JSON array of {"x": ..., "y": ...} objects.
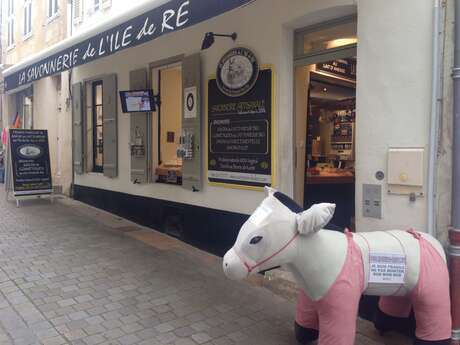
[{"x": 70, "y": 274}]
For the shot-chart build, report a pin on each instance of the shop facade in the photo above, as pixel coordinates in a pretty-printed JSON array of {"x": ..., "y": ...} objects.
[{"x": 333, "y": 57}]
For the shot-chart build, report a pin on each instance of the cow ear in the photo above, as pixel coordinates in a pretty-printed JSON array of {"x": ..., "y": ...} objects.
[
  {"x": 315, "y": 218},
  {"x": 269, "y": 191}
]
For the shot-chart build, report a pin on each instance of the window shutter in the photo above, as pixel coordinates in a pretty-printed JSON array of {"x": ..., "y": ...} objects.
[
  {"x": 77, "y": 9},
  {"x": 110, "y": 129},
  {"x": 77, "y": 128},
  {"x": 139, "y": 132},
  {"x": 191, "y": 85}
]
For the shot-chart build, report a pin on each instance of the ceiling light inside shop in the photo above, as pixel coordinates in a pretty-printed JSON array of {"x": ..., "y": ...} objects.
[{"x": 340, "y": 42}]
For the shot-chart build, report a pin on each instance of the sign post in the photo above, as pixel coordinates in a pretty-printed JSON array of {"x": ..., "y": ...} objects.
[{"x": 28, "y": 164}]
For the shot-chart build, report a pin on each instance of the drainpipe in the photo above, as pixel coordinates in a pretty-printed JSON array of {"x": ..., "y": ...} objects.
[
  {"x": 454, "y": 232},
  {"x": 434, "y": 121},
  {"x": 456, "y": 125}
]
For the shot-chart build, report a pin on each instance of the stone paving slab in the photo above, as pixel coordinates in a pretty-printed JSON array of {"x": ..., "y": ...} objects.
[{"x": 71, "y": 274}]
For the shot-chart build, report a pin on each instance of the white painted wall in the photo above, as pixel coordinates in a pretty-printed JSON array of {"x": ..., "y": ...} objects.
[
  {"x": 393, "y": 95},
  {"x": 264, "y": 26},
  {"x": 52, "y": 113},
  {"x": 393, "y": 99},
  {"x": 92, "y": 18}
]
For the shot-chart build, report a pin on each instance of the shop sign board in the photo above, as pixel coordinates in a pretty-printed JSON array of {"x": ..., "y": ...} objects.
[
  {"x": 30, "y": 162},
  {"x": 172, "y": 16},
  {"x": 240, "y": 134},
  {"x": 345, "y": 68}
]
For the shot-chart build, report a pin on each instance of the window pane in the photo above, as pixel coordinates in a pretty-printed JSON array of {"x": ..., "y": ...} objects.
[
  {"x": 98, "y": 160},
  {"x": 99, "y": 115},
  {"x": 99, "y": 94},
  {"x": 30, "y": 17},
  {"x": 99, "y": 135},
  {"x": 328, "y": 38},
  {"x": 12, "y": 31}
]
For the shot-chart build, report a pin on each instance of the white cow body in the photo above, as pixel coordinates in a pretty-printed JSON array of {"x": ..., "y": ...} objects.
[{"x": 328, "y": 250}]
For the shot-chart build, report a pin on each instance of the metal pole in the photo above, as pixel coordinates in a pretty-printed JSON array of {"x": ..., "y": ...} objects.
[
  {"x": 454, "y": 232},
  {"x": 434, "y": 121},
  {"x": 456, "y": 124}
]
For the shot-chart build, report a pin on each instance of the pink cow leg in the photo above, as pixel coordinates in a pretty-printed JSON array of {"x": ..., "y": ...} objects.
[
  {"x": 337, "y": 319},
  {"x": 431, "y": 299},
  {"x": 306, "y": 321}
]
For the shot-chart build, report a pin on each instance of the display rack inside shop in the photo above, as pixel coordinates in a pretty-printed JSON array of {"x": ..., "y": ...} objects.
[{"x": 330, "y": 142}]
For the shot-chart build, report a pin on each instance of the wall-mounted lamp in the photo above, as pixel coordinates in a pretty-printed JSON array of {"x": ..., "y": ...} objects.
[{"x": 208, "y": 39}]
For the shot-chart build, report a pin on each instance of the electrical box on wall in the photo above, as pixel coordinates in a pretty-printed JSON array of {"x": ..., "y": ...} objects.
[
  {"x": 406, "y": 171},
  {"x": 372, "y": 201}
]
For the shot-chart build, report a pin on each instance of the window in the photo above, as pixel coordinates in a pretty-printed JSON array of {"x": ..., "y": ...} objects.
[
  {"x": 96, "y": 5},
  {"x": 336, "y": 35},
  {"x": 52, "y": 8},
  {"x": 106, "y": 4},
  {"x": 10, "y": 20},
  {"x": 77, "y": 10},
  {"x": 95, "y": 126},
  {"x": 24, "y": 109},
  {"x": 27, "y": 18}
]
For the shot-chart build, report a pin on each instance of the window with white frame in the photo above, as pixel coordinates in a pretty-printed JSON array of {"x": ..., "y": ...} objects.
[
  {"x": 98, "y": 5},
  {"x": 10, "y": 21},
  {"x": 52, "y": 8},
  {"x": 27, "y": 18}
]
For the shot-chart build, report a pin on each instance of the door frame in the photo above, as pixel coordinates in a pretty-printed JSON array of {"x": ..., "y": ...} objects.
[{"x": 303, "y": 60}]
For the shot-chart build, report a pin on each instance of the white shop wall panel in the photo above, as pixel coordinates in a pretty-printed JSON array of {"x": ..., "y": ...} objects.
[
  {"x": 267, "y": 41},
  {"x": 389, "y": 113},
  {"x": 393, "y": 101}
]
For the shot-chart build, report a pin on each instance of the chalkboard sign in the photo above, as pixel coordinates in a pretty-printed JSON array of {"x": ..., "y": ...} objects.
[
  {"x": 240, "y": 134},
  {"x": 30, "y": 162}
]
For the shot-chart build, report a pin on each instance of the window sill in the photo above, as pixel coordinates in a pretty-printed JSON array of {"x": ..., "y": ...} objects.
[
  {"x": 51, "y": 19},
  {"x": 77, "y": 21},
  {"x": 11, "y": 47},
  {"x": 27, "y": 36},
  {"x": 94, "y": 173}
]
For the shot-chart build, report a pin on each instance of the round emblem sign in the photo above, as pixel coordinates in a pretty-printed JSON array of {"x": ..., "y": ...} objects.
[
  {"x": 237, "y": 72},
  {"x": 190, "y": 101}
]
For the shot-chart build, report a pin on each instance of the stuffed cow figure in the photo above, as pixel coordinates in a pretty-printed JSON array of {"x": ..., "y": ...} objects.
[{"x": 408, "y": 269}]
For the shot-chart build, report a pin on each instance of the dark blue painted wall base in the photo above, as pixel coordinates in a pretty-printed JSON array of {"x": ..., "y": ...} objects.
[{"x": 212, "y": 230}]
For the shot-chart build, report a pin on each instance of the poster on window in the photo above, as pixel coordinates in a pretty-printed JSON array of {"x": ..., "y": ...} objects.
[
  {"x": 240, "y": 134},
  {"x": 30, "y": 162}
]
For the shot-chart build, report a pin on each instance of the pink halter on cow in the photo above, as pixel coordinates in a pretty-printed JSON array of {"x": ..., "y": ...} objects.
[{"x": 408, "y": 269}]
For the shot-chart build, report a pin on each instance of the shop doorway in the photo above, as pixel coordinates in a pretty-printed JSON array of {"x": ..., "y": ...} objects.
[
  {"x": 167, "y": 84},
  {"x": 325, "y": 117}
]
